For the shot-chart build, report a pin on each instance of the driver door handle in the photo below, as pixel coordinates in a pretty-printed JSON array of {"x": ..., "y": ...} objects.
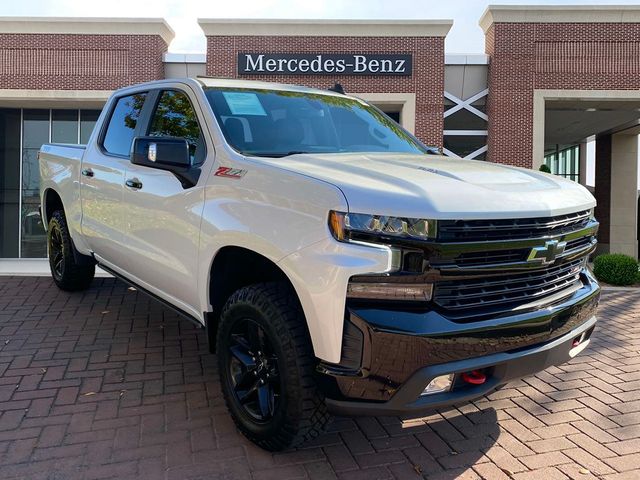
[
  {"x": 87, "y": 172},
  {"x": 133, "y": 183}
]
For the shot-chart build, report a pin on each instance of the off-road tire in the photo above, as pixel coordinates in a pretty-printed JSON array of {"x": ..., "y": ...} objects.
[
  {"x": 302, "y": 413},
  {"x": 68, "y": 274}
]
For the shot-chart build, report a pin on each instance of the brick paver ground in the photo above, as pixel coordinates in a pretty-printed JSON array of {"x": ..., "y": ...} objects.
[{"x": 109, "y": 384}]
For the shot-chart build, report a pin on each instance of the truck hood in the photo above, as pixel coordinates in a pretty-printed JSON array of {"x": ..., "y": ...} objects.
[{"x": 438, "y": 187}]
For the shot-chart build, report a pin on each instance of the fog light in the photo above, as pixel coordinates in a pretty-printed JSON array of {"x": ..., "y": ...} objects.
[{"x": 439, "y": 384}]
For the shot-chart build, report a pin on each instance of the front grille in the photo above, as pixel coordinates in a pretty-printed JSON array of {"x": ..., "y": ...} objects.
[
  {"x": 474, "y": 245},
  {"x": 474, "y": 259},
  {"x": 485, "y": 295},
  {"x": 510, "y": 229},
  {"x": 581, "y": 242}
]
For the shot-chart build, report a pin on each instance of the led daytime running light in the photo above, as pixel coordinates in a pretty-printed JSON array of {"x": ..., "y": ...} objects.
[{"x": 417, "y": 228}]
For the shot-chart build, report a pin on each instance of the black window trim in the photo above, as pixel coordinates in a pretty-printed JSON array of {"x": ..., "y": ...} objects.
[
  {"x": 156, "y": 100},
  {"x": 105, "y": 124}
]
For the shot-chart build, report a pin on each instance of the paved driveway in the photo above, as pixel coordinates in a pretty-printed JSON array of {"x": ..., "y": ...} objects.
[{"x": 109, "y": 384}]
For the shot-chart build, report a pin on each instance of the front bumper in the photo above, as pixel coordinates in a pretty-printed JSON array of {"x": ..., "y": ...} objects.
[{"x": 403, "y": 351}]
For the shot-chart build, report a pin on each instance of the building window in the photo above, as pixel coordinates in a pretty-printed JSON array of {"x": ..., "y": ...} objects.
[
  {"x": 466, "y": 146},
  {"x": 564, "y": 162},
  {"x": 9, "y": 182},
  {"x": 465, "y": 126},
  {"x": 22, "y": 133},
  {"x": 35, "y": 132},
  {"x": 88, "y": 120}
]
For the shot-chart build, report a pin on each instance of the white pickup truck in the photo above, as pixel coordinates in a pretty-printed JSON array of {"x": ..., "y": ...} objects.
[{"x": 337, "y": 264}]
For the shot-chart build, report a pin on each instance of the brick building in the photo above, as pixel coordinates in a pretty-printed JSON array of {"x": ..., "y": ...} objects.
[{"x": 552, "y": 80}]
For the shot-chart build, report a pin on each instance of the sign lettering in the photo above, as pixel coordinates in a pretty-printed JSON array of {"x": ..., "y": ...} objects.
[{"x": 324, "y": 64}]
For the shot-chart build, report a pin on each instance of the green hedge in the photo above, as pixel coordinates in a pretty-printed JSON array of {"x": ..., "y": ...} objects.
[{"x": 616, "y": 269}]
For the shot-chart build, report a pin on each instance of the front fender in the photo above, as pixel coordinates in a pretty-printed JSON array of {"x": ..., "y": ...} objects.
[{"x": 320, "y": 274}]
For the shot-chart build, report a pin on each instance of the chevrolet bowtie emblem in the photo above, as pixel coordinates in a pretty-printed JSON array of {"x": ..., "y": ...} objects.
[{"x": 547, "y": 254}]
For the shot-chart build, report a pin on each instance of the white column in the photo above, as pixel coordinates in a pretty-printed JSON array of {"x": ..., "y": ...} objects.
[
  {"x": 624, "y": 194},
  {"x": 582, "y": 168}
]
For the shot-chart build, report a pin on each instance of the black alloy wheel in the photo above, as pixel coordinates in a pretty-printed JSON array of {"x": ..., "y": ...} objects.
[
  {"x": 253, "y": 370},
  {"x": 71, "y": 271},
  {"x": 267, "y": 367},
  {"x": 56, "y": 254}
]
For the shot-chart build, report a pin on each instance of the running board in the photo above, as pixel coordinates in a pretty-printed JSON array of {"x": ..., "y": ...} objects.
[{"x": 170, "y": 306}]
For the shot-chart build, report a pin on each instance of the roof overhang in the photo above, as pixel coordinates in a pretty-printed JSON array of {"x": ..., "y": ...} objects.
[
  {"x": 19, "y": 98},
  {"x": 322, "y": 28},
  {"x": 559, "y": 14},
  {"x": 88, "y": 26}
]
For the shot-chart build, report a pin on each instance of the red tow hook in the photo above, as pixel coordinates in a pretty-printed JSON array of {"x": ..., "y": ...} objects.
[{"x": 475, "y": 377}]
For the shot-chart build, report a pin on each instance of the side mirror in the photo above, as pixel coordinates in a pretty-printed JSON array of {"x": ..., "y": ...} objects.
[
  {"x": 160, "y": 151},
  {"x": 166, "y": 153}
]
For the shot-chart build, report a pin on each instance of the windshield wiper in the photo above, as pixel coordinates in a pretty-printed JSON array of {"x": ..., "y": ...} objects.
[
  {"x": 276, "y": 154},
  {"x": 294, "y": 152}
]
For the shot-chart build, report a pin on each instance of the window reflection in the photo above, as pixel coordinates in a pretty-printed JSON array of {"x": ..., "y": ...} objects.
[
  {"x": 88, "y": 120},
  {"x": 35, "y": 132},
  {"x": 64, "y": 126}
]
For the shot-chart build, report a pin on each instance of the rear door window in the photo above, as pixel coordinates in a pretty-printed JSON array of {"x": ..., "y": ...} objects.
[{"x": 122, "y": 124}]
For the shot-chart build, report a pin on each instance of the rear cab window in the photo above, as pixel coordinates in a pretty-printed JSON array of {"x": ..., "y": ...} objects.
[{"x": 121, "y": 128}]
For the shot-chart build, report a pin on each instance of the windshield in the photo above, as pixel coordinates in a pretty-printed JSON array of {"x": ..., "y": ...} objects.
[{"x": 275, "y": 123}]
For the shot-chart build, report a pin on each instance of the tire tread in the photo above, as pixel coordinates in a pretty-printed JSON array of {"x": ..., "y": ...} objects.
[
  {"x": 75, "y": 277},
  {"x": 277, "y": 301}
]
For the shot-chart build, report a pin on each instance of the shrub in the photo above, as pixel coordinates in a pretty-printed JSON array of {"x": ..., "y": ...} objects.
[
  {"x": 616, "y": 269},
  {"x": 545, "y": 168}
]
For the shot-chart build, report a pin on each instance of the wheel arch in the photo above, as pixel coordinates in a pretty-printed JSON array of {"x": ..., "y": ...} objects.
[
  {"x": 51, "y": 202},
  {"x": 232, "y": 268}
]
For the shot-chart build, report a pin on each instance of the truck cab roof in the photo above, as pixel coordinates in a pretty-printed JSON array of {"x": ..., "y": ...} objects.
[{"x": 204, "y": 82}]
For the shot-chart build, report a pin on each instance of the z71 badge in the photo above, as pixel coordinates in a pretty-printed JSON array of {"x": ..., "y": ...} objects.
[{"x": 229, "y": 172}]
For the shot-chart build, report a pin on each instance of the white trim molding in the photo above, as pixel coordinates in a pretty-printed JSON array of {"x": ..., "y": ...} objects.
[
  {"x": 466, "y": 59},
  {"x": 406, "y": 102},
  {"x": 460, "y": 104},
  {"x": 32, "y": 267},
  {"x": 466, "y": 133},
  {"x": 169, "y": 57},
  {"x": 324, "y": 28},
  {"x": 88, "y": 26},
  {"x": 466, "y": 104},
  {"x": 471, "y": 156},
  {"x": 559, "y": 14},
  {"x": 53, "y": 98},
  {"x": 541, "y": 96}
]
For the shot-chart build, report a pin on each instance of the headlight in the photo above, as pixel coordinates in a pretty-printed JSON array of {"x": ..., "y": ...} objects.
[
  {"x": 344, "y": 225},
  {"x": 410, "y": 286}
]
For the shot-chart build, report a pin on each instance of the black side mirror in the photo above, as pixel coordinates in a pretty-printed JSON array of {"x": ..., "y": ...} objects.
[{"x": 166, "y": 153}]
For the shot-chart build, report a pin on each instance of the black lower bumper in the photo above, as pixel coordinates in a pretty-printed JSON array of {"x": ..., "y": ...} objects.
[
  {"x": 403, "y": 351},
  {"x": 502, "y": 368}
]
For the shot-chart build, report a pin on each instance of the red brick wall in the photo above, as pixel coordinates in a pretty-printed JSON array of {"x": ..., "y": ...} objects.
[
  {"x": 528, "y": 56},
  {"x": 78, "y": 61},
  {"x": 427, "y": 80},
  {"x": 603, "y": 186}
]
